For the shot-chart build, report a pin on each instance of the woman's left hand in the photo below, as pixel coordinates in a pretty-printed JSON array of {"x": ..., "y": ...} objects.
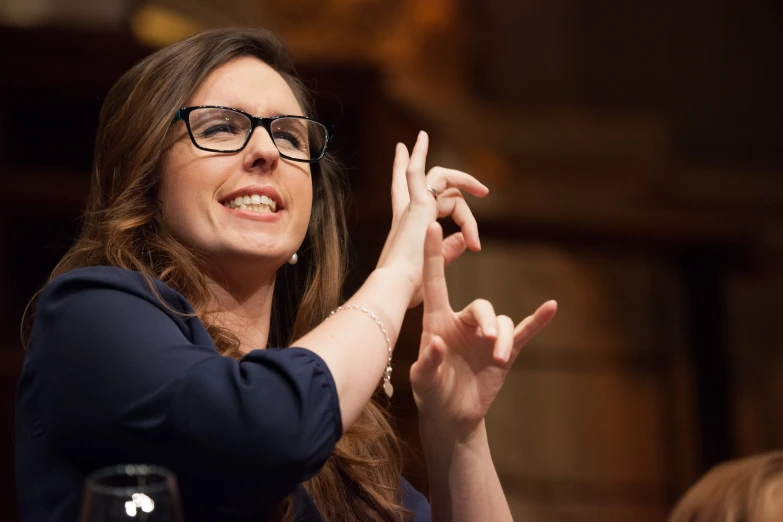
[
  {"x": 409, "y": 193},
  {"x": 464, "y": 356}
]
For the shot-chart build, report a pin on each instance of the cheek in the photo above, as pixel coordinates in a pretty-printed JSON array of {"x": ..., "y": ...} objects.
[
  {"x": 172, "y": 197},
  {"x": 180, "y": 202},
  {"x": 306, "y": 200}
]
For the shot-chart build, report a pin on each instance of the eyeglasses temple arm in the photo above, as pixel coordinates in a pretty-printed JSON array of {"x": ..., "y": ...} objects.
[{"x": 177, "y": 117}]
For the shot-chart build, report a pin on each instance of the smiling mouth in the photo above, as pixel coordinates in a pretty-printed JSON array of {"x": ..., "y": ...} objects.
[{"x": 254, "y": 203}]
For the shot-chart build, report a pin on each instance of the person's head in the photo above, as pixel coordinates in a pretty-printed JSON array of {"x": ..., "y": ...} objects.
[
  {"x": 158, "y": 201},
  {"x": 742, "y": 490},
  {"x": 248, "y": 207},
  {"x": 163, "y": 202}
]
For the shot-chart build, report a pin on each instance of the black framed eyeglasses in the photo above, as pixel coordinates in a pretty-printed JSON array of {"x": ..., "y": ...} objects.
[{"x": 223, "y": 129}]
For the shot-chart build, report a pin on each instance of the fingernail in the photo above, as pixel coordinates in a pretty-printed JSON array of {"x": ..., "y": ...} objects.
[{"x": 490, "y": 331}]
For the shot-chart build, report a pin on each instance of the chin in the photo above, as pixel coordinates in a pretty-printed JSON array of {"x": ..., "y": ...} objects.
[{"x": 254, "y": 257}]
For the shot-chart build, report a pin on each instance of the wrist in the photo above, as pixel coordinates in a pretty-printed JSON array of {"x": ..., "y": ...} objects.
[
  {"x": 447, "y": 452},
  {"x": 398, "y": 281},
  {"x": 383, "y": 293},
  {"x": 437, "y": 436}
]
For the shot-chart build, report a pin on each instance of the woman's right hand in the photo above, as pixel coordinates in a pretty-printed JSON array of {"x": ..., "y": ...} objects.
[{"x": 414, "y": 208}]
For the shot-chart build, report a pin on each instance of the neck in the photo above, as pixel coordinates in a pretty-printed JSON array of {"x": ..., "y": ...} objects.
[{"x": 244, "y": 304}]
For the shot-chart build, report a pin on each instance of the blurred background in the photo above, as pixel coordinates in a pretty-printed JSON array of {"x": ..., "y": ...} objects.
[{"x": 634, "y": 155}]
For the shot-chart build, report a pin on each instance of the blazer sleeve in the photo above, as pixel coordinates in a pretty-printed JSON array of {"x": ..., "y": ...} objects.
[
  {"x": 413, "y": 500},
  {"x": 123, "y": 378}
]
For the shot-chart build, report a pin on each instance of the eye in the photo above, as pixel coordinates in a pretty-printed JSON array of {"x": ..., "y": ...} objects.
[
  {"x": 217, "y": 129},
  {"x": 289, "y": 138}
]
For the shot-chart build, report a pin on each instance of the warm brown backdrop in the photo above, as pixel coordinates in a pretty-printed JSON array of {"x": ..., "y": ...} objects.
[{"x": 634, "y": 154}]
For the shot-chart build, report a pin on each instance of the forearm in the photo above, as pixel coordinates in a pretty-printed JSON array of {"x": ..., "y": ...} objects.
[
  {"x": 464, "y": 485},
  {"x": 354, "y": 347}
]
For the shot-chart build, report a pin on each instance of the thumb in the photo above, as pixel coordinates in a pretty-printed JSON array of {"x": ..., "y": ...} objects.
[{"x": 425, "y": 369}]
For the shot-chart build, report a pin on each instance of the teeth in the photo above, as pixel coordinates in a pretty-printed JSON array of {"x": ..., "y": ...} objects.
[
  {"x": 254, "y": 203},
  {"x": 256, "y": 208}
]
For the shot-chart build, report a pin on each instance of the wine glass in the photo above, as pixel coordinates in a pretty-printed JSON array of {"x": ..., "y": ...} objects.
[{"x": 131, "y": 492}]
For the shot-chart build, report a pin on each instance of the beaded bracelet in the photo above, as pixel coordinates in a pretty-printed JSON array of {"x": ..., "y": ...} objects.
[{"x": 387, "y": 386}]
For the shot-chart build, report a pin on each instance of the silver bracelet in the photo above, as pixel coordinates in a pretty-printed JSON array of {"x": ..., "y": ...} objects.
[{"x": 387, "y": 385}]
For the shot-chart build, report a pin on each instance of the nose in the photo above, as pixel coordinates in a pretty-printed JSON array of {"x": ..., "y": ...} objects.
[{"x": 261, "y": 151}]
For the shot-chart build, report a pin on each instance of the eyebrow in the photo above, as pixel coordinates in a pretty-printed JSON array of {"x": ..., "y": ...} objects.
[{"x": 270, "y": 114}]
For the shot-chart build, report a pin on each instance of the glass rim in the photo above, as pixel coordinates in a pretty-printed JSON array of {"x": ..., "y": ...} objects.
[
  {"x": 255, "y": 121},
  {"x": 196, "y": 108},
  {"x": 130, "y": 470}
]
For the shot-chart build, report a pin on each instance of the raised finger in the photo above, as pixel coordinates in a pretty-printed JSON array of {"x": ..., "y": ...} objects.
[
  {"x": 434, "y": 291},
  {"x": 533, "y": 324},
  {"x": 441, "y": 178},
  {"x": 481, "y": 314},
  {"x": 417, "y": 184},
  {"x": 399, "y": 190}
]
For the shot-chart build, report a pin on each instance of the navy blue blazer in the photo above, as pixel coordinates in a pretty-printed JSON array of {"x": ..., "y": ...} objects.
[{"x": 112, "y": 375}]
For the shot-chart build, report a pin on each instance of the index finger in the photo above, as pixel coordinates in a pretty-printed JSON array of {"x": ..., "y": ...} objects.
[
  {"x": 416, "y": 178},
  {"x": 533, "y": 324},
  {"x": 434, "y": 290},
  {"x": 399, "y": 189}
]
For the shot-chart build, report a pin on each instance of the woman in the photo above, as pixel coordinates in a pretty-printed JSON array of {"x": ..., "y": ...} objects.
[
  {"x": 214, "y": 234},
  {"x": 742, "y": 490}
]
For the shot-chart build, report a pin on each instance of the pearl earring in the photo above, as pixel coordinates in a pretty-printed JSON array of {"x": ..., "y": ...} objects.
[{"x": 293, "y": 259}]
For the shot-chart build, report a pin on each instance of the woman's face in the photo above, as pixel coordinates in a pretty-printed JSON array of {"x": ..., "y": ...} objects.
[{"x": 197, "y": 185}]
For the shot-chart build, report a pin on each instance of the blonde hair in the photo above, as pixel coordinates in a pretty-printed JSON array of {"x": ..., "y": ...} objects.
[{"x": 742, "y": 490}]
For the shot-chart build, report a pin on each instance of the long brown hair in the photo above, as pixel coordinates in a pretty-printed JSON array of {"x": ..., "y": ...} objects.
[
  {"x": 736, "y": 491},
  {"x": 123, "y": 227}
]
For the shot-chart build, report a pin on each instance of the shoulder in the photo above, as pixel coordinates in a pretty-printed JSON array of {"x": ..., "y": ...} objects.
[
  {"x": 97, "y": 284},
  {"x": 109, "y": 316},
  {"x": 104, "y": 302}
]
